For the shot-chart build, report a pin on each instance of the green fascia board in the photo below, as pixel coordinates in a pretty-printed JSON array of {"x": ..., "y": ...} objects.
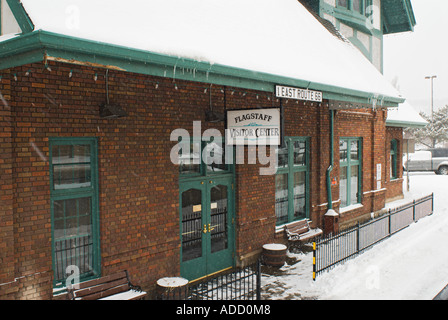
[
  {"x": 24, "y": 21},
  {"x": 407, "y": 17},
  {"x": 404, "y": 124},
  {"x": 76, "y": 50},
  {"x": 410, "y": 12}
]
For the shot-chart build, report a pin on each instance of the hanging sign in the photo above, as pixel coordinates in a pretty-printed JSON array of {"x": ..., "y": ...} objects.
[
  {"x": 298, "y": 94},
  {"x": 254, "y": 127}
]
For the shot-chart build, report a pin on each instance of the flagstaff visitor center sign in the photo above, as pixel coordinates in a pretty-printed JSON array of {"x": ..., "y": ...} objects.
[
  {"x": 298, "y": 94},
  {"x": 254, "y": 127}
]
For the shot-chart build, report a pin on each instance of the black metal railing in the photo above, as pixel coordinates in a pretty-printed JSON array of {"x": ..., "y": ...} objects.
[
  {"x": 235, "y": 284},
  {"x": 331, "y": 250},
  {"x": 76, "y": 251}
]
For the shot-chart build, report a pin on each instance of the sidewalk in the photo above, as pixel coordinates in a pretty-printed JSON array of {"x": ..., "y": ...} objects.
[
  {"x": 443, "y": 295},
  {"x": 410, "y": 265}
]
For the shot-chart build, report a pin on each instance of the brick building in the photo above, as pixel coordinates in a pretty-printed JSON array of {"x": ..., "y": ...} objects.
[{"x": 86, "y": 138}]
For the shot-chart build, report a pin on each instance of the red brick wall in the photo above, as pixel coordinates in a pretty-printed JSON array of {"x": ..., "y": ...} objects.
[
  {"x": 7, "y": 273},
  {"x": 138, "y": 184},
  {"x": 370, "y": 125}
]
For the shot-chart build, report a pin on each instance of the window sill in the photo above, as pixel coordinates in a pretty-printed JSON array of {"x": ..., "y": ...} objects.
[
  {"x": 353, "y": 19},
  {"x": 351, "y": 207}
]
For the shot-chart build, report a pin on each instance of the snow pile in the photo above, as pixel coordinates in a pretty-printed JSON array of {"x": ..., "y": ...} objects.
[
  {"x": 410, "y": 265},
  {"x": 277, "y": 37}
]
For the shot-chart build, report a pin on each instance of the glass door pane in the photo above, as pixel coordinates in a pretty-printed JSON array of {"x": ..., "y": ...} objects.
[
  {"x": 218, "y": 218},
  {"x": 192, "y": 227}
]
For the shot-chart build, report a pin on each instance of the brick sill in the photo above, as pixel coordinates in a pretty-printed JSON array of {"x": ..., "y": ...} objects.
[{"x": 351, "y": 207}]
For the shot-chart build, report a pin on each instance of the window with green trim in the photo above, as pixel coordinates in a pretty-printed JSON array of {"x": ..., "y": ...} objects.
[
  {"x": 74, "y": 208},
  {"x": 356, "y": 6},
  {"x": 393, "y": 159},
  {"x": 292, "y": 181},
  {"x": 350, "y": 162},
  {"x": 203, "y": 157}
]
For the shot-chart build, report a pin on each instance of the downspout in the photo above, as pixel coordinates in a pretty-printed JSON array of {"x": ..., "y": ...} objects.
[{"x": 330, "y": 168}]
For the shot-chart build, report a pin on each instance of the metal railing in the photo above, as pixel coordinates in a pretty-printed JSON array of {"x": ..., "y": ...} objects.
[
  {"x": 77, "y": 251},
  {"x": 235, "y": 284},
  {"x": 331, "y": 250}
]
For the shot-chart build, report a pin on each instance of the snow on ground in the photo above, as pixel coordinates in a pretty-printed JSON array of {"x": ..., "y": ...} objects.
[{"x": 410, "y": 265}]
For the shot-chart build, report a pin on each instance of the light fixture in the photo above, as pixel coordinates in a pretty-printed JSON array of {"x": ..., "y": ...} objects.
[{"x": 110, "y": 111}]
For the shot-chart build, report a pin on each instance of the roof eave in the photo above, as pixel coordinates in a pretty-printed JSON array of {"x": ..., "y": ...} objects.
[
  {"x": 405, "y": 124},
  {"x": 40, "y": 45}
]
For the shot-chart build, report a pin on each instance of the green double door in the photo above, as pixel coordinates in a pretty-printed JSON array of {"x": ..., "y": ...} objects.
[{"x": 207, "y": 226}]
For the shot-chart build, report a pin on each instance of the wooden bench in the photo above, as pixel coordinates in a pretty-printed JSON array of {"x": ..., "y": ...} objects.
[
  {"x": 112, "y": 287},
  {"x": 301, "y": 231}
]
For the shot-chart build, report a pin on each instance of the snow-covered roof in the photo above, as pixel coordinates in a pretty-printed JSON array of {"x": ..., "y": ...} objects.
[
  {"x": 278, "y": 37},
  {"x": 405, "y": 116}
]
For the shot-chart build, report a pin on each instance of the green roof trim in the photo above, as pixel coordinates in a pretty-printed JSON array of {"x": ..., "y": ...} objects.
[
  {"x": 398, "y": 16},
  {"x": 23, "y": 20},
  {"x": 404, "y": 124},
  {"x": 39, "y": 45}
]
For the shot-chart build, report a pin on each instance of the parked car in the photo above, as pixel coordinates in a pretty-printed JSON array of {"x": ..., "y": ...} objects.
[{"x": 428, "y": 160}]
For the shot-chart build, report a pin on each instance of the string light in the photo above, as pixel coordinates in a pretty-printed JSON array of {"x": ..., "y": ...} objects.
[{"x": 155, "y": 83}]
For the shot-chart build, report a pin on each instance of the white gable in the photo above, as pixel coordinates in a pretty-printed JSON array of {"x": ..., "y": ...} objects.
[{"x": 9, "y": 24}]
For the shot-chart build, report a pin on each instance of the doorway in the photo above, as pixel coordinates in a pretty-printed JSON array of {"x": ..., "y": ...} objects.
[{"x": 207, "y": 226}]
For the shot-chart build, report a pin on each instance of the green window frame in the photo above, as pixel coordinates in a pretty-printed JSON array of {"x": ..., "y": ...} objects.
[
  {"x": 350, "y": 166},
  {"x": 195, "y": 163},
  {"x": 393, "y": 159},
  {"x": 354, "y": 6},
  {"x": 74, "y": 208},
  {"x": 292, "y": 180}
]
